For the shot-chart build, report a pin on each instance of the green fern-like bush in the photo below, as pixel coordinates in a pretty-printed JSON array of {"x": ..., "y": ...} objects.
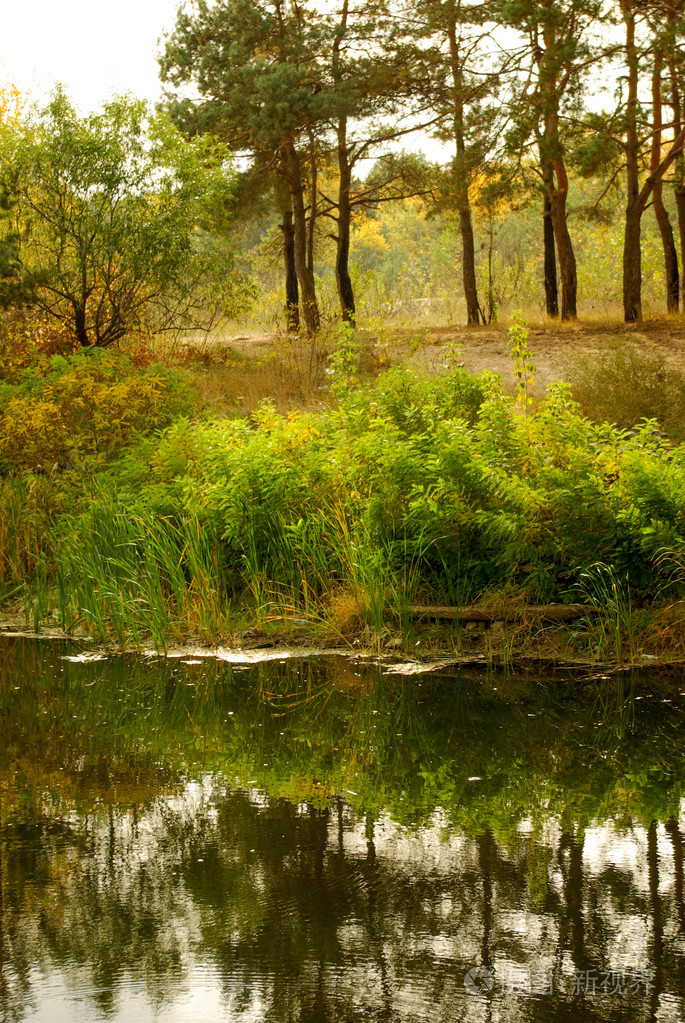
[{"x": 435, "y": 487}]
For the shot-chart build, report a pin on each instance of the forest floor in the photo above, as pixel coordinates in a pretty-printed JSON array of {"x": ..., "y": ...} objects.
[
  {"x": 242, "y": 369},
  {"x": 557, "y": 350}
]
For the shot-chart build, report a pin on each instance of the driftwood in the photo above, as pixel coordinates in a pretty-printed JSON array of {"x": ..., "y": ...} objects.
[{"x": 547, "y": 612}]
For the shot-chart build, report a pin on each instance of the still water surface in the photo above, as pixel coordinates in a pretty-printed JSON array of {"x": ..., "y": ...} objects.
[{"x": 315, "y": 841}]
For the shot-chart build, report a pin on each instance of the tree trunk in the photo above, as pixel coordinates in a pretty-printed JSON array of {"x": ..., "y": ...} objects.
[
  {"x": 632, "y": 255},
  {"x": 679, "y": 190},
  {"x": 342, "y": 271},
  {"x": 632, "y": 265},
  {"x": 662, "y": 218},
  {"x": 80, "y": 326},
  {"x": 313, "y": 187},
  {"x": 342, "y": 256},
  {"x": 679, "y": 176},
  {"x": 305, "y": 275},
  {"x": 670, "y": 252},
  {"x": 554, "y": 170},
  {"x": 473, "y": 310},
  {"x": 567, "y": 257},
  {"x": 637, "y": 197},
  {"x": 492, "y": 296},
  {"x": 292, "y": 293},
  {"x": 550, "y": 261}
]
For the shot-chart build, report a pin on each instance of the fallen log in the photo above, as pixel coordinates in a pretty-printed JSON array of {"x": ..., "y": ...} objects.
[{"x": 474, "y": 613}]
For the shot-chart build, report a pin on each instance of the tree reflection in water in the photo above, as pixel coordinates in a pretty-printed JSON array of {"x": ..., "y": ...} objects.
[{"x": 313, "y": 842}]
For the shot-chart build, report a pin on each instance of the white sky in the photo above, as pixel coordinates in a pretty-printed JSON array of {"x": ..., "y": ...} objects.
[
  {"x": 96, "y": 48},
  {"x": 93, "y": 47}
]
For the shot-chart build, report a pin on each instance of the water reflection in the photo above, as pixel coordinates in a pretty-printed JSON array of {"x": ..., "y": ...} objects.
[{"x": 313, "y": 843}]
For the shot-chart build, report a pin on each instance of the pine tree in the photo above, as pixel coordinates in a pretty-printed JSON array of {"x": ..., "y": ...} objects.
[{"x": 255, "y": 68}]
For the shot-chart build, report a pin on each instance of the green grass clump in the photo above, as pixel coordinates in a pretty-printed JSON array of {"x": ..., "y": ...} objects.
[{"x": 127, "y": 576}]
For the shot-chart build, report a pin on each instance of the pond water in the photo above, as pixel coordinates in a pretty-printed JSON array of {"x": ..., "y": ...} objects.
[{"x": 316, "y": 840}]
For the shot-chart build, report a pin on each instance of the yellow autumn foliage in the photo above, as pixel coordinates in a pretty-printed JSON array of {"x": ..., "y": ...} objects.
[
  {"x": 13, "y": 103},
  {"x": 368, "y": 241},
  {"x": 80, "y": 407}
]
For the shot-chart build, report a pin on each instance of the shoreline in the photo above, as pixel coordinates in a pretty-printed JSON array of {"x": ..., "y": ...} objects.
[{"x": 239, "y": 648}]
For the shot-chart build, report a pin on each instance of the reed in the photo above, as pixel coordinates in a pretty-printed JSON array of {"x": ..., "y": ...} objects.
[
  {"x": 611, "y": 629},
  {"x": 133, "y": 576}
]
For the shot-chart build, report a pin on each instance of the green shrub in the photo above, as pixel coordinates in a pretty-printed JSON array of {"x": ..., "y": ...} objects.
[{"x": 437, "y": 487}]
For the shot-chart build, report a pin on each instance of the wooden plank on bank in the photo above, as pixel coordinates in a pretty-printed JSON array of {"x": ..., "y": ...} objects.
[{"x": 474, "y": 613}]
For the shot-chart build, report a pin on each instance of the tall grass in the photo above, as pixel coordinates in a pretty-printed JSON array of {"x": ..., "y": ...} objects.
[
  {"x": 332, "y": 569},
  {"x": 611, "y": 628},
  {"x": 624, "y": 385},
  {"x": 132, "y": 576},
  {"x": 128, "y": 577},
  {"x": 25, "y": 510}
]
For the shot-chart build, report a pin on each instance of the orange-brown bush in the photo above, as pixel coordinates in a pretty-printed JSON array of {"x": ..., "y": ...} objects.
[{"x": 25, "y": 338}]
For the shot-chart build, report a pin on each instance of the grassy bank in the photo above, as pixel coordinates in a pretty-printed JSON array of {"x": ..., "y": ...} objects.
[{"x": 134, "y": 511}]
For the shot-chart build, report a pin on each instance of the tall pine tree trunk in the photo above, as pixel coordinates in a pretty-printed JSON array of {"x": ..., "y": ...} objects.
[
  {"x": 550, "y": 260},
  {"x": 556, "y": 183},
  {"x": 342, "y": 256},
  {"x": 313, "y": 187},
  {"x": 679, "y": 176},
  {"x": 670, "y": 252},
  {"x": 305, "y": 275},
  {"x": 474, "y": 313},
  {"x": 292, "y": 292},
  {"x": 679, "y": 191},
  {"x": 632, "y": 266},
  {"x": 637, "y": 197},
  {"x": 632, "y": 253},
  {"x": 660, "y": 212},
  {"x": 567, "y": 257},
  {"x": 554, "y": 171}
]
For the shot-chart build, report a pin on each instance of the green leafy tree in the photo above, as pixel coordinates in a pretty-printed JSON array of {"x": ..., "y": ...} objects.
[
  {"x": 16, "y": 288},
  {"x": 109, "y": 214}
]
